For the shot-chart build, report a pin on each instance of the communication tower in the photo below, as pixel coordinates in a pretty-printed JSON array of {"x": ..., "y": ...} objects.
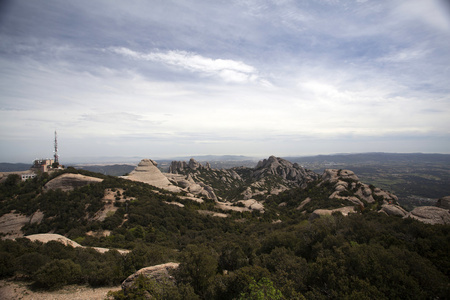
[{"x": 56, "y": 149}]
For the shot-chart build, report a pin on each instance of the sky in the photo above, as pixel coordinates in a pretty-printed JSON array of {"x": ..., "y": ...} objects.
[{"x": 161, "y": 78}]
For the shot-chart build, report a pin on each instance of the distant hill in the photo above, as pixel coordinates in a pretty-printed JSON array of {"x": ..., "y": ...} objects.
[
  {"x": 374, "y": 158},
  {"x": 12, "y": 167}
]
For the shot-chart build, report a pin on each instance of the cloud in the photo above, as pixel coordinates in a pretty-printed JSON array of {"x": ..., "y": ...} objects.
[
  {"x": 228, "y": 70},
  {"x": 434, "y": 13}
]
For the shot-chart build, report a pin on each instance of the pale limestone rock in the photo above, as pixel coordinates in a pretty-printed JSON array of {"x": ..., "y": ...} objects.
[
  {"x": 430, "y": 215},
  {"x": 147, "y": 172},
  {"x": 47, "y": 237},
  {"x": 334, "y": 175},
  {"x": 326, "y": 212},
  {"x": 68, "y": 182},
  {"x": 159, "y": 273},
  {"x": 393, "y": 210},
  {"x": 193, "y": 164},
  {"x": 303, "y": 203},
  {"x": 293, "y": 173}
]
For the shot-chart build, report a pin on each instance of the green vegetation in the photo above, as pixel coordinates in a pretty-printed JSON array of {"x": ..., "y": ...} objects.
[{"x": 245, "y": 256}]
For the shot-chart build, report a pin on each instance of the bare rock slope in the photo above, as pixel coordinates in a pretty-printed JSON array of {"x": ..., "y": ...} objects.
[
  {"x": 430, "y": 215},
  {"x": 68, "y": 182},
  {"x": 147, "y": 172},
  {"x": 159, "y": 273}
]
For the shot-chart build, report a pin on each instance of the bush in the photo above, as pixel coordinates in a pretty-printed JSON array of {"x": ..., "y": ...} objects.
[{"x": 58, "y": 273}]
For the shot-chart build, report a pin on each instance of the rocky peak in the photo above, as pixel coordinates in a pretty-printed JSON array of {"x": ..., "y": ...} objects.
[
  {"x": 146, "y": 162},
  {"x": 177, "y": 167},
  {"x": 193, "y": 164},
  {"x": 147, "y": 172},
  {"x": 347, "y": 186},
  {"x": 293, "y": 173}
]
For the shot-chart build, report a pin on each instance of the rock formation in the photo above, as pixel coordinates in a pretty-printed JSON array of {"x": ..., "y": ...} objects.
[
  {"x": 185, "y": 175},
  {"x": 393, "y": 210},
  {"x": 327, "y": 212},
  {"x": 12, "y": 223},
  {"x": 47, "y": 237},
  {"x": 444, "y": 202},
  {"x": 430, "y": 215},
  {"x": 348, "y": 187},
  {"x": 292, "y": 173},
  {"x": 147, "y": 172},
  {"x": 177, "y": 167},
  {"x": 159, "y": 273},
  {"x": 68, "y": 182}
]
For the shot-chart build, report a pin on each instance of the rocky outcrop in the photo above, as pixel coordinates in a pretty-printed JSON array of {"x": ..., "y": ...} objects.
[
  {"x": 393, "y": 210},
  {"x": 444, "y": 202},
  {"x": 303, "y": 203},
  {"x": 274, "y": 175},
  {"x": 348, "y": 187},
  {"x": 12, "y": 223},
  {"x": 288, "y": 171},
  {"x": 177, "y": 167},
  {"x": 158, "y": 273},
  {"x": 147, "y": 172},
  {"x": 47, "y": 237},
  {"x": 334, "y": 175},
  {"x": 327, "y": 212},
  {"x": 430, "y": 215},
  {"x": 67, "y": 182}
]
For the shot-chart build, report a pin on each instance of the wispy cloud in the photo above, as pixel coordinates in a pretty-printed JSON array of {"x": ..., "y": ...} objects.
[
  {"x": 228, "y": 70},
  {"x": 138, "y": 78}
]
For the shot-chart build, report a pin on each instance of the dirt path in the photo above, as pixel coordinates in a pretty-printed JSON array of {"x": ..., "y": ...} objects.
[{"x": 20, "y": 291}]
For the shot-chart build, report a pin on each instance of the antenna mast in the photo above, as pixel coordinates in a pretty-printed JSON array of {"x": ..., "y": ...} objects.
[{"x": 56, "y": 148}]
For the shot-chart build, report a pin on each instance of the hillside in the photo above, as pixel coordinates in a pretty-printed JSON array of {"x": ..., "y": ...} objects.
[
  {"x": 277, "y": 226},
  {"x": 417, "y": 179}
]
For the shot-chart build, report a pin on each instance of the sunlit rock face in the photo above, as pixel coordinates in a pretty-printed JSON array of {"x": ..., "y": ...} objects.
[
  {"x": 147, "y": 172},
  {"x": 68, "y": 182}
]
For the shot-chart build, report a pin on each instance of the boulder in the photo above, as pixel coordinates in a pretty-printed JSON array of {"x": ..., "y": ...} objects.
[
  {"x": 333, "y": 175},
  {"x": 327, "y": 212},
  {"x": 159, "y": 273},
  {"x": 430, "y": 215},
  {"x": 393, "y": 210},
  {"x": 444, "y": 202}
]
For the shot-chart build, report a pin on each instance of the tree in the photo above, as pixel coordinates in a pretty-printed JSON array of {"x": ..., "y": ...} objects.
[
  {"x": 198, "y": 267},
  {"x": 261, "y": 290}
]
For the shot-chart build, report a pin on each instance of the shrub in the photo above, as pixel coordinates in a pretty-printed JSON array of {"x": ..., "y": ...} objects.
[{"x": 58, "y": 273}]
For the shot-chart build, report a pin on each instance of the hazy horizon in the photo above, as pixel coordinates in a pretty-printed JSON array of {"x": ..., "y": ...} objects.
[
  {"x": 255, "y": 78},
  {"x": 105, "y": 160}
]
